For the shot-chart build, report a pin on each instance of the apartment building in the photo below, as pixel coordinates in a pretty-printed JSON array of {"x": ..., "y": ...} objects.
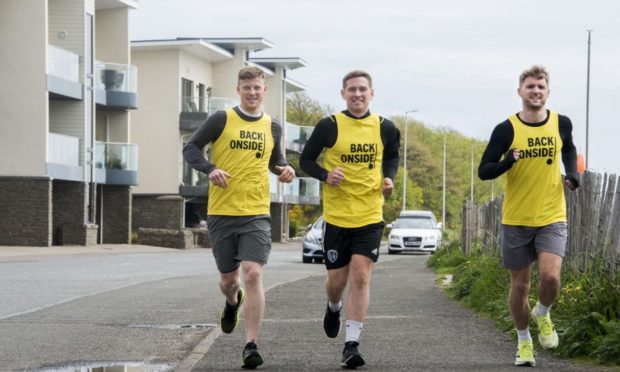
[
  {"x": 182, "y": 81},
  {"x": 66, "y": 161}
]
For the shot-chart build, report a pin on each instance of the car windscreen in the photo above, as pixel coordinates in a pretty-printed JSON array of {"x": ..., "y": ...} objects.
[{"x": 413, "y": 223}]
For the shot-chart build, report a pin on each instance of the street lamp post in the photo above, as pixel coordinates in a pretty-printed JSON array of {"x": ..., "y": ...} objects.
[{"x": 405, "y": 161}]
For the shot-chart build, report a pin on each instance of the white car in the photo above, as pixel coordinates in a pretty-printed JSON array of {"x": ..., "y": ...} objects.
[
  {"x": 312, "y": 246},
  {"x": 414, "y": 231}
]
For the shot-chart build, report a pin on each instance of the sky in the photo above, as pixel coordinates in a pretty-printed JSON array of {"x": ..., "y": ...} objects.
[{"x": 456, "y": 62}]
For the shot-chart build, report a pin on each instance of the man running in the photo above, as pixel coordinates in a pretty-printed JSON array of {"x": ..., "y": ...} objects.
[
  {"x": 360, "y": 162},
  {"x": 532, "y": 142},
  {"x": 245, "y": 143}
]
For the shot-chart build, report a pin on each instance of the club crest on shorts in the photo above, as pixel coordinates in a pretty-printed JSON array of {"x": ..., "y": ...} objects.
[{"x": 332, "y": 255}]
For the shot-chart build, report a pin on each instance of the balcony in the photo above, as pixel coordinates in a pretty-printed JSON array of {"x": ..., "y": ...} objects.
[
  {"x": 116, "y": 86},
  {"x": 303, "y": 190},
  {"x": 63, "y": 154},
  {"x": 195, "y": 110},
  {"x": 297, "y": 136},
  {"x": 63, "y": 74},
  {"x": 116, "y": 163},
  {"x": 195, "y": 184}
]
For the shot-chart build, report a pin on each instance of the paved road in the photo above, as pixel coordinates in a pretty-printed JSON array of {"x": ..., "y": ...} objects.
[{"x": 160, "y": 306}]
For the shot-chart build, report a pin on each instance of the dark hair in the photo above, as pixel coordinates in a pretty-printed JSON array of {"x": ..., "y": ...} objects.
[
  {"x": 355, "y": 74},
  {"x": 535, "y": 71},
  {"x": 250, "y": 72}
]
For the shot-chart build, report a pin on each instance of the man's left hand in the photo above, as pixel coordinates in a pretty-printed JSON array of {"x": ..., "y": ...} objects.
[
  {"x": 388, "y": 186},
  {"x": 571, "y": 186},
  {"x": 287, "y": 173}
]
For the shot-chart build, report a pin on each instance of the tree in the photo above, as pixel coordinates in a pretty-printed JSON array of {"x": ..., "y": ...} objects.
[{"x": 301, "y": 109}]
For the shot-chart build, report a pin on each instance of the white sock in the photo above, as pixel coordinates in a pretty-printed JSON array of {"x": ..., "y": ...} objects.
[
  {"x": 524, "y": 334},
  {"x": 541, "y": 309},
  {"x": 354, "y": 328},
  {"x": 334, "y": 307}
]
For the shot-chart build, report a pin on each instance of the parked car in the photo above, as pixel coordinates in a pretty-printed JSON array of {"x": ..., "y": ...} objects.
[
  {"x": 313, "y": 243},
  {"x": 416, "y": 231}
]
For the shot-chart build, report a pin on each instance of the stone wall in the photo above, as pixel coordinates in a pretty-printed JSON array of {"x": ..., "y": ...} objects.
[
  {"x": 171, "y": 238},
  {"x": 157, "y": 212},
  {"x": 116, "y": 210},
  {"x": 26, "y": 211}
]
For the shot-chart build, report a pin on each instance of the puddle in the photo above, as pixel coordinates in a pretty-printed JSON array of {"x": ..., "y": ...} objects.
[{"x": 111, "y": 367}]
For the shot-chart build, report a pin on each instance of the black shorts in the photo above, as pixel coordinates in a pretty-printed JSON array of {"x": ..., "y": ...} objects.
[{"x": 339, "y": 243}]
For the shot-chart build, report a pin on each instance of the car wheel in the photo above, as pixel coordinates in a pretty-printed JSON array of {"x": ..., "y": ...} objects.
[
  {"x": 305, "y": 259},
  {"x": 318, "y": 260},
  {"x": 392, "y": 252}
]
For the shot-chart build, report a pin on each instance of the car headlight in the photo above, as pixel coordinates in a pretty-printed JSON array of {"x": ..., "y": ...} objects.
[
  {"x": 393, "y": 236},
  {"x": 432, "y": 238}
]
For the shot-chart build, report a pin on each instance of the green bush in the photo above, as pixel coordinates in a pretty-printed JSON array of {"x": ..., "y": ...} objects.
[{"x": 586, "y": 312}]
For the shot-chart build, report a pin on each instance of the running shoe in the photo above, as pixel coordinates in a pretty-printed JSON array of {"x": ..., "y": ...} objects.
[
  {"x": 525, "y": 354},
  {"x": 251, "y": 356},
  {"x": 351, "y": 357},
  {"x": 331, "y": 322},
  {"x": 229, "y": 316},
  {"x": 547, "y": 336}
]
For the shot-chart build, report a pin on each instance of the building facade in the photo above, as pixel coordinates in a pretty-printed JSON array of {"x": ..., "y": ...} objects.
[
  {"x": 182, "y": 81},
  {"x": 66, "y": 160}
]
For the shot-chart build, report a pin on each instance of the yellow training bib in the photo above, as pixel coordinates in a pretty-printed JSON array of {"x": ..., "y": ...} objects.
[
  {"x": 534, "y": 192},
  {"x": 243, "y": 150},
  {"x": 358, "y": 150}
]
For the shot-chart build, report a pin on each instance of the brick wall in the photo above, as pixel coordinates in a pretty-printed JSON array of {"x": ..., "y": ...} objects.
[
  {"x": 157, "y": 212},
  {"x": 70, "y": 213},
  {"x": 116, "y": 209},
  {"x": 25, "y": 211}
]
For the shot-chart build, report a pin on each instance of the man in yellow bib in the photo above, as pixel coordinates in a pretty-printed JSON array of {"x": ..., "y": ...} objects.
[
  {"x": 245, "y": 144},
  {"x": 532, "y": 143},
  {"x": 360, "y": 162}
]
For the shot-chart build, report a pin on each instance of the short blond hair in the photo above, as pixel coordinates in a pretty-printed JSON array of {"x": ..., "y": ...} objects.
[
  {"x": 250, "y": 72},
  {"x": 535, "y": 71},
  {"x": 355, "y": 74}
]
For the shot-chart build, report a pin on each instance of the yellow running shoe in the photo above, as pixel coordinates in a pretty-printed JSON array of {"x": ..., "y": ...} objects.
[
  {"x": 525, "y": 354},
  {"x": 229, "y": 316},
  {"x": 547, "y": 336}
]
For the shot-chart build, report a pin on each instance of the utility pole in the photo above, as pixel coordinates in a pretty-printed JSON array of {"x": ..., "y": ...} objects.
[
  {"x": 405, "y": 161},
  {"x": 588, "y": 102}
]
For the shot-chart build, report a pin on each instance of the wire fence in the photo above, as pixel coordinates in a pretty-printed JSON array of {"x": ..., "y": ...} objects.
[{"x": 593, "y": 213}]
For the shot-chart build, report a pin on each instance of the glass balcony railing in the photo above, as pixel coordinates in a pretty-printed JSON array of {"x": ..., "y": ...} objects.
[
  {"x": 63, "y": 63},
  {"x": 116, "y": 156},
  {"x": 116, "y": 77},
  {"x": 304, "y": 187},
  {"x": 297, "y": 136},
  {"x": 205, "y": 104},
  {"x": 63, "y": 149}
]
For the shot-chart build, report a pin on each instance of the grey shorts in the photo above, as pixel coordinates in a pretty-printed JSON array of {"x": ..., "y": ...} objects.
[
  {"x": 239, "y": 238},
  {"x": 521, "y": 244}
]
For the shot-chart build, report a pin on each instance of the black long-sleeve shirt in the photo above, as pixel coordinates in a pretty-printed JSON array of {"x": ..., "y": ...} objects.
[
  {"x": 211, "y": 130},
  {"x": 325, "y": 134},
  {"x": 499, "y": 145}
]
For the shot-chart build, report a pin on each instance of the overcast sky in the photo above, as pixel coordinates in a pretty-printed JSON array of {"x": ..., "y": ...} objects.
[{"x": 456, "y": 61}]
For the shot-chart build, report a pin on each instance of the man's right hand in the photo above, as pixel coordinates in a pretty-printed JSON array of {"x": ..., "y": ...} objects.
[
  {"x": 335, "y": 177},
  {"x": 219, "y": 177},
  {"x": 515, "y": 154}
]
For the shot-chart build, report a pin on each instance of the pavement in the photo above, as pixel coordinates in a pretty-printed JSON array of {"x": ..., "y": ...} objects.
[{"x": 411, "y": 324}]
